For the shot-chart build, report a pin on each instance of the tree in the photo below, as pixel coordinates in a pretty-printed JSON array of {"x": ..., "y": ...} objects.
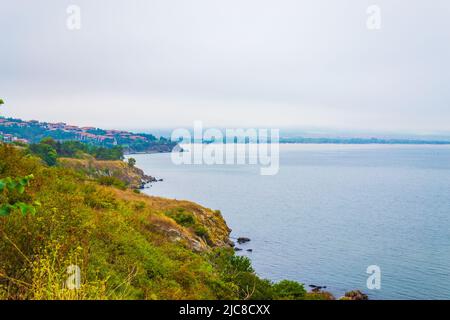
[
  {"x": 49, "y": 141},
  {"x": 45, "y": 152},
  {"x": 131, "y": 162}
]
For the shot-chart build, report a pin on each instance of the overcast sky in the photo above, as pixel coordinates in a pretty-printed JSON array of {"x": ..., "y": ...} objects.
[{"x": 267, "y": 63}]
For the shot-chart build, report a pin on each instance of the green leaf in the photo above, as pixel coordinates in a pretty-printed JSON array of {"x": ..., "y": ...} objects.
[
  {"x": 18, "y": 185},
  {"x": 23, "y": 207},
  {"x": 32, "y": 210},
  {"x": 20, "y": 188},
  {"x": 5, "y": 210},
  {"x": 7, "y": 180},
  {"x": 25, "y": 180},
  {"x": 11, "y": 185}
]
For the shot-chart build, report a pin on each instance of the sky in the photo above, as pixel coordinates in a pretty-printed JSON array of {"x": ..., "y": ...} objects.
[{"x": 311, "y": 65}]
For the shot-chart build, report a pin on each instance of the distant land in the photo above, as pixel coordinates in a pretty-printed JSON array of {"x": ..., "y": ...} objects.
[
  {"x": 33, "y": 131},
  {"x": 361, "y": 141},
  {"x": 289, "y": 135}
]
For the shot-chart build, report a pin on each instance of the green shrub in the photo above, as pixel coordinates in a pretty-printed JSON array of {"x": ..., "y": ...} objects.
[
  {"x": 239, "y": 274},
  {"x": 112, "y": 181},
  {"x": 201, "y": 231},
  {"x": 44, "y": 151},
  {"x": 289, "y": 290},
  {"x": 182, "y": 217},
  {"x": 131, "y": 162}
]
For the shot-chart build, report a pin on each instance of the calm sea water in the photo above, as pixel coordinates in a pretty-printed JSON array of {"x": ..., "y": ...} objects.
[{"x": 331, "y": 211}]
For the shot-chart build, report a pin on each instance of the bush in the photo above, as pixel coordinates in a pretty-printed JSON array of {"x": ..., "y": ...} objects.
[
  {"x": 355, "y": 295},
  {"x": 44, "y": 151},
  {"x": 240, "y": 264},
  {"x": 238, "y": 272},
  {"x": 131, "y": 162},
  {"x": 322, "y": 295},
  {"x": 112, "y": 181},
  {"x": 187, "y": 219},
  {"x": 182, "y": 217},
  {"x": 201, "y": 231},
  {"x": 289, "y": 290}
]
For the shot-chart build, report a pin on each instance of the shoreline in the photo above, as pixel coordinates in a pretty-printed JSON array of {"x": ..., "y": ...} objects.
[
  {"x": 316, "y": 143},
  {"x": 241, "y": 230}
]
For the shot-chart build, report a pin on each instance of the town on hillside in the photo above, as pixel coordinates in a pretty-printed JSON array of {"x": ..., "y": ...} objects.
[{"x": 33, "y": 131}]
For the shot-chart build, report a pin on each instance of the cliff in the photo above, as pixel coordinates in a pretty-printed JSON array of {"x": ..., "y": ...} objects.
[
  {"x": 184, "y": 222},
  {"x": 125, "y": 244}
]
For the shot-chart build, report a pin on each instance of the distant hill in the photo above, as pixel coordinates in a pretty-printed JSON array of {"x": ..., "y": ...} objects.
[
  {"x": 34, "y": 131},
  {"x": 361, "y": 141}
]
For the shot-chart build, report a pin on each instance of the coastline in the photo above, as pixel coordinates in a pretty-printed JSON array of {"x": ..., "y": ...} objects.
[{"x": 396, "y": 164}]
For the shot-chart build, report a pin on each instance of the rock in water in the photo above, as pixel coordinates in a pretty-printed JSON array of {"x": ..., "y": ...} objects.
[{"x": 241, "y": 240}]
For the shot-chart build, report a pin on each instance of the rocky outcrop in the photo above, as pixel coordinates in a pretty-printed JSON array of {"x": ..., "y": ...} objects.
[
  {"x": 209, "y": 229},
  {"x": 315, "y": 288},
  {"x": 211, "y": 220},
  {"x": 215, "y": 232},
  {"x": 242, "y": 240},
  {"x": 153, "y": 148}
]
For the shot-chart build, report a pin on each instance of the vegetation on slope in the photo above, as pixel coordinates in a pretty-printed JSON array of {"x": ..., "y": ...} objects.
[
  {"x": 109, "y": 173},
  {"x": 34, "y": 131},
  {"x": 127, "y": 245},
  {"x": 50, "y": 150}
]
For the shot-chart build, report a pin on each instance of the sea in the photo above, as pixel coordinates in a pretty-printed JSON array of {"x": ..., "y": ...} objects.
[{"x": 332, "y": 214}]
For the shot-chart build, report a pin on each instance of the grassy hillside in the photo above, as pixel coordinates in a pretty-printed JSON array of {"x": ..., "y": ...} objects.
[
  {"x": 107, "y": 172},
  {"x": 127, "y": 245}
]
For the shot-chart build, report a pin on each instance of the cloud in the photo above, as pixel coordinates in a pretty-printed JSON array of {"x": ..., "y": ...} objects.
[{"x": 269, "y": 63}]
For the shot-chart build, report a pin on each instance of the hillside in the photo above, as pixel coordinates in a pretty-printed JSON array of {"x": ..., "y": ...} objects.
[
  {"x": 127, "y": 245},
  {"x": 33, "y": 131}
]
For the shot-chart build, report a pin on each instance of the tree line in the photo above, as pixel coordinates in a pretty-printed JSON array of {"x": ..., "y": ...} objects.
[{"x": 49, "y": 150}]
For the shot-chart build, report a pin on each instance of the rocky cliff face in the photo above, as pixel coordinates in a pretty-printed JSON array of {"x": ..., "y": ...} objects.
[
  {"x": 181, "y": 221},
  {"x": 207, "y": 229}
]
